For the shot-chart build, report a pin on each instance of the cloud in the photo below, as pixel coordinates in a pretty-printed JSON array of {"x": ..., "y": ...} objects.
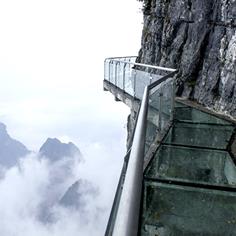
[
  {"x": 51, "y": 62},
  {"x": 34, "y": 187}
]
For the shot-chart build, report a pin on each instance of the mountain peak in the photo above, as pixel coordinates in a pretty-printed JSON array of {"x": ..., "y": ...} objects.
[
  {"x": 3, "y": 127},
  {"x": 54, "y": 149},
  {"x": 10, "y": 149},
  {"x": 3, "y": 131},
  {"x": 52, "y": 141},
  {"x": 77, "y": 194}
]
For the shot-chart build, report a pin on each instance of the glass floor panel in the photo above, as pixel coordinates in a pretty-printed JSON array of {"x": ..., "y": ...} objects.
[
  {"x": 194, "y": 153},
  {"x": 201, "y": 135},
  {"x": 171, "y": 210},
  {"x": 193, "y": 165},
  {"x": 190, "y": 114}
]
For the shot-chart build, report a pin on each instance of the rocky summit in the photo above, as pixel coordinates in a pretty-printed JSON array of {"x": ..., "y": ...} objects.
[
  {"x": 54, "y": 149},
  {"x": 197, "y": 37}
]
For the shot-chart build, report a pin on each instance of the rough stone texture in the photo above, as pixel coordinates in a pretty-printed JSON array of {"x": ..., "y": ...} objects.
[{"x": 198, "y": 37}]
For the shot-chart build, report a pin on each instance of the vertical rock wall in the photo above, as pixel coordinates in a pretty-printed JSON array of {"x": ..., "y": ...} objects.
[{"x": 198, "y": 37}]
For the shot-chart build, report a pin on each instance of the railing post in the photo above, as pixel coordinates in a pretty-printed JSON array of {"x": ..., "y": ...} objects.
[
  {"x": 172, "y": 101},
  {"x": 160, "y": 109},
  {"x": 150, "y": 78},
  {"x": 116, "y": 74},
  {"x": 135, "y": 73},
  {"x": 105, "y": 70},
  {"x": 124, "y": 76},
  {"x": 110, "y": 70}
]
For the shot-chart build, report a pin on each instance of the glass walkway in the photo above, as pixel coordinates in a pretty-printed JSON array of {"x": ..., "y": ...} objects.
[
  {"x": 187, "y": 178},
  {"x": 189, "y": 185}
]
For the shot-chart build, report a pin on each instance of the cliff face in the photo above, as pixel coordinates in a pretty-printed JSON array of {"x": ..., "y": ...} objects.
[{"x": 198, "y": 37}]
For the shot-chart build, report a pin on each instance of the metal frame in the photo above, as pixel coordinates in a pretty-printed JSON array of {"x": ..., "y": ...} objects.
[{"x": 114, "y": 64}]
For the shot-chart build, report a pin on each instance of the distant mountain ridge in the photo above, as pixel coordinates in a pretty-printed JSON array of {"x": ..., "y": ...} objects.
[
  {"x": 73, "y": 196},
  {"x": 10, "y": 149}
]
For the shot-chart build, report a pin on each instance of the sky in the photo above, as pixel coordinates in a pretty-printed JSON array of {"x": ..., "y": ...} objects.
[
  {"x": 51, "y": 66},
  {"x": 51, "y": 72}
]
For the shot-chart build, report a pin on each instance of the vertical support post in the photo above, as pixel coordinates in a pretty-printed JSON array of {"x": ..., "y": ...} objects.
[
  {"x": 110, "y": 70},
  {"x": 124, "y": 76},
  {"x": 135, "y": 73},
  {"x": 160, "y": 109},
  {"x": 116, "y": 74},
  {"x": 172, "y": 101},
  {"x": 105, "y": 71},
  {"x": 150, "y": 78}
]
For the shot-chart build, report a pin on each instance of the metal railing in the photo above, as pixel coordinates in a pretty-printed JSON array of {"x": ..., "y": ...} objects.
[
  {"x": 155, "y": 113},
  {"x": 132, "y": 77}
]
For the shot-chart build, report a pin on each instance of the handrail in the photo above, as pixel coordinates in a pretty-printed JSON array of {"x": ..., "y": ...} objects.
[
  {"x": 128, "y": 212},
  {"x": 113, "y": 213},
  {"x": 111, "y": 58},
  {"x": 126, "y": 216},
  {"x": 115, "y": 59},
  {"x": 114, "y": 208},
  {"x": 164, "y": 78}
]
